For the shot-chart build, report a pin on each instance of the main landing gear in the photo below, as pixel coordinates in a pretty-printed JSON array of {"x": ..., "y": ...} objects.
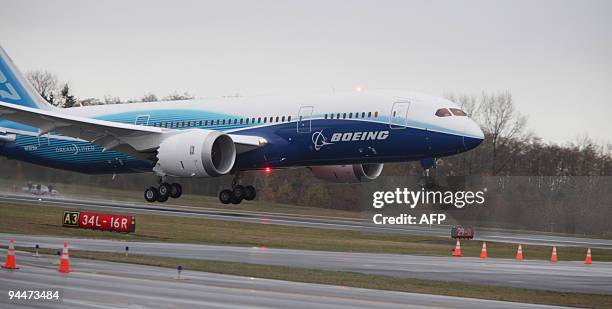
[
  {"x": 163, "y": 192},
  {"x": 237, "y": 192}
]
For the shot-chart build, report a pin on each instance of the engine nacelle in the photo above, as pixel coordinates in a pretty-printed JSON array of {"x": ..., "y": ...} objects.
[
  {"x": 348, "y": 173},
  {"x": 196, "y": 153}
]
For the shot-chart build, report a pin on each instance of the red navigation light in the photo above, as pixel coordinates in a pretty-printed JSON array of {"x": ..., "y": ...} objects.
[{"x": 267, "y": 170}]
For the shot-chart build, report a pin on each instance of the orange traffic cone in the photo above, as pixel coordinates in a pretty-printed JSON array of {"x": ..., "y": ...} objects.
[
  {"x": 457, "y": 251},
  {"x": 65, "y": 260},
  {"x": 11, "y": 262},
  {"x": 519, "y": 253},
  {"x": 588, "y": 257},
  {"x": 483, "y": 252},
  {"x": 553, "y": 257}
]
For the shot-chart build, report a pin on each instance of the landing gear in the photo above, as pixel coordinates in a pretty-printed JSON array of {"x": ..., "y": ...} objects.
[
  {"x": 225, "y": 196},
  {"x": 238, "y": 193},
  {"x": 176, "y": 190},
  {"x": 163, "y": 192},
  {"x": 426, "y": 181},
  {"x": 150, "y": 194},
  {"x": 251, "y": 193}
]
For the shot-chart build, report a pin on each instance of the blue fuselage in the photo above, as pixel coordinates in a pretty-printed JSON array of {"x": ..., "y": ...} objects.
[{"x": 292, "y": 143}]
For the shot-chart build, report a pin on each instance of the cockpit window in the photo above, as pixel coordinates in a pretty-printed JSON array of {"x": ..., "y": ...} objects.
[
  {"x": 457, "y": 112},
  {"x": 443, "y": 112}
]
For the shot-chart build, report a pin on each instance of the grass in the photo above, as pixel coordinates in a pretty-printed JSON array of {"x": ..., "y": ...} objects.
[
  {"x": 42, "y": 220},
  {"x": 201, "y": 201},
  {"x": 351, "y": 279}
]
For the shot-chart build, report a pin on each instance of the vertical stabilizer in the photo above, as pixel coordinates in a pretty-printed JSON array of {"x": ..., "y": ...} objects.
[{"x": 15, "y": 88}]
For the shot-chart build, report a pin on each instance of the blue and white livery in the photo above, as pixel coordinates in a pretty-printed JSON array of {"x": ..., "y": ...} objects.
[{"x": 341, "y": 137}]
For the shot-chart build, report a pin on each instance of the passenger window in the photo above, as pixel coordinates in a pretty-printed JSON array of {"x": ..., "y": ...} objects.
[
  {"x": 277, "y": 118},
  {"x": 289, "y": 119},
  {"x": 375, "y": 114},
  {"x": 457, "y": 112},
  {"x": 247, "y": 121},
  {"x": 325, "y": 116},
  {"x": 369, "y": 114},
  {"x": 223, "y": 122},
  {"x": 350, "y": 115},
  {"x": 241, "y": 120},
  {"x": 265, "y": 119},
  {"x": 443, "y": 112},
  {"x": 259, "y": 120},
  {"x": 283, "y": 120},
  {"x": 331, "y": 116},
  {"x": 363, "y": 115},
  {"x": 344, "y": 116}
]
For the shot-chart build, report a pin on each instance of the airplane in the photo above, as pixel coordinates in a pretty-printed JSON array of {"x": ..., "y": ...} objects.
[{"x": 340, "y": 137}]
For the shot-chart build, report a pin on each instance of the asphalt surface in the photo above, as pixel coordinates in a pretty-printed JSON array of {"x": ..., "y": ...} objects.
[
  {"x": 484, "y": 234},
  {"x": 96, "y": 284},
  {"x": 562, "y": 276}
]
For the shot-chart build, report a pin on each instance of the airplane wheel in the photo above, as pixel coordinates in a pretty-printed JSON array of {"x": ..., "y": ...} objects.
[
  {"x": 236, "y": 199},
  {"x": 250, "y": 193},
  {"x": 225, "y": 196},
  {"x": 150, "y": 194},
  {"x": 239, "y": 192},
  {"x": 164, "y": 190},
  {"x": 162, "y": 198},
  {"x": 176, "y": 190}
]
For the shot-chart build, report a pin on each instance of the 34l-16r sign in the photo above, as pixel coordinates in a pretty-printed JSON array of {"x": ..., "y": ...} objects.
[{"x": 96, "y": 221}]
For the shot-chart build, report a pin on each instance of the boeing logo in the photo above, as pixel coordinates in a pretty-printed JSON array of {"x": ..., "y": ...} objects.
[{"x": 319, "y": 140}]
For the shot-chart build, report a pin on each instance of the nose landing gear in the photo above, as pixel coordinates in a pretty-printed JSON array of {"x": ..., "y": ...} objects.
[{"x": 163, "y": 192}]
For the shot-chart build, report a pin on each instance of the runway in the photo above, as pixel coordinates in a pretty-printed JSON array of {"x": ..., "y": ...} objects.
[
  {"x": 96, "y": 284},
  {"x": 484, "y": 234},
  {"x": 562, "y": 276}
]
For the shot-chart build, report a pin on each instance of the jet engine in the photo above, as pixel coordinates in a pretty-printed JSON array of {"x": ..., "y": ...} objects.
[
  {"x": 348, "y": 173},
  {"x": 196, "y": 153}
]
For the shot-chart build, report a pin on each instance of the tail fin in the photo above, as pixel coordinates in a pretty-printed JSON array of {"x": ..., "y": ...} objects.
[{"x": 15, "y": 88}]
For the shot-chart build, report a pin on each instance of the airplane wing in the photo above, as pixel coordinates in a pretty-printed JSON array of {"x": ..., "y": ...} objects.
[{"x": 135, "y": 140}]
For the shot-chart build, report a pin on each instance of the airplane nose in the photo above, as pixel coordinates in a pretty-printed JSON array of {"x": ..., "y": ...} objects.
[{"x": 473, "y": 135}]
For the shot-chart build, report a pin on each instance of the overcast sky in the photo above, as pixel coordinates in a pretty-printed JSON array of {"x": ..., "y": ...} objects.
[{"x": 554, "y": 56}]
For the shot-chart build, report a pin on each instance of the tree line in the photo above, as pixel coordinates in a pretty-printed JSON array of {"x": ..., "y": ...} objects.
[{"x": 60, "y": 93}]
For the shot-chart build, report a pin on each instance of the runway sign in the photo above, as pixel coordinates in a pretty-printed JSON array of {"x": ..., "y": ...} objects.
[
  {"x": 462, "y": 232},
  {"x": 96, "y": 221}
]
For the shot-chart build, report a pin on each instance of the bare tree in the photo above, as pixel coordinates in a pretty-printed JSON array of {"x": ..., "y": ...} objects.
[
  {"x": 503, "y": 124},
  {"x": 45, "y": 83},
  {"x": 175, "y": 96},
  {"x": 89, "y": 102},
  {"x": 111, "y": 100},
  {"x": 149, "y": 97}
]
